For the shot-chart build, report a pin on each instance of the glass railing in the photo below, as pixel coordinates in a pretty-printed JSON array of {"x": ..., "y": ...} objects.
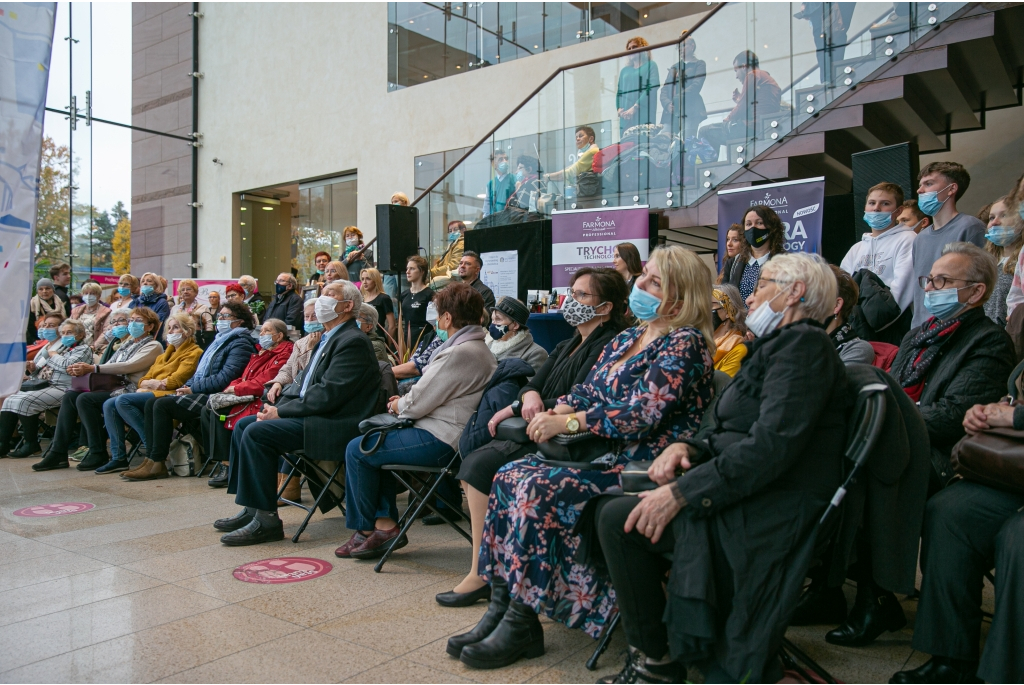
[{"x": 671, "y": 123}]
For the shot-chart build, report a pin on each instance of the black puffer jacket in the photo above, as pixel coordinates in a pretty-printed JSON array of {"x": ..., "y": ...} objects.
[{"x": 971, "y": 369}]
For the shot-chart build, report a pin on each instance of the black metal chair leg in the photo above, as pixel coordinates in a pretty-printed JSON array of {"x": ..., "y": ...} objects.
[
  {"x": 602, "y": 646},
  {"x": 420, "y": 503}
]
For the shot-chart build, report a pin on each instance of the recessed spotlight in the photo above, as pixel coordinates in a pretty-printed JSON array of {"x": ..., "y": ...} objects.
[
  {"x": 243, "y": 209},
  {"x": 645, "y": 16},
  {"x": 535, "y": 47},
  {"x": 268, "y": 209}
]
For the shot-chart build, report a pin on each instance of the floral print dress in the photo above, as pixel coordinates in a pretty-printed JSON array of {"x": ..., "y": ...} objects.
[{"x": 652, "y": 400}]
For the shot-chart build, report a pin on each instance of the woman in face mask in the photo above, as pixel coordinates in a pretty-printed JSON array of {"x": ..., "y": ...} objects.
[
  {"x": 222, "y": 361},
  {"x": 596, "y": 309},
  {"x": 320, "y": 259},
  {"x": 648, "y": 389},
  {"x": 509, "y": 338},
  {"x": 356, "y": 256},
  {"x": 271, "y": 355},
  {"x": 127, "y": 290},
  {"x": 752, "y": 494},
  {"x": 727, "y": 316},
  {"x": 92, "y": 313},
  {"x": 151, "y": 295},
  {"x": 52, "y": 364},
  {"x": 764, "y": 234},
  {"x": 42, "y": 304},
  {"x": 1003, "y": 241}
]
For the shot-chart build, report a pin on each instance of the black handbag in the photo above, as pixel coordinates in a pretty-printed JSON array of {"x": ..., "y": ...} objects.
[
  {"x": 376, "y": 428},
  {"x": 33, "y": 384},
  {"x": 582, "y": 451}
]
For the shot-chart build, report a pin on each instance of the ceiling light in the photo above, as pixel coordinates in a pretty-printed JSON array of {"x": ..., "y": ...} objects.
[
  {"x": 268, "y": 209},
  {"x": 458, "y": 66},
  {"x": 243, "y": 223},
  {"x": 424, "y": 76},
  {"x": 535, "y": 47},
  {"x": 645, "y": 16},
  {"x": 481, "y": 196},
  {"x": 243, "y": 209}
]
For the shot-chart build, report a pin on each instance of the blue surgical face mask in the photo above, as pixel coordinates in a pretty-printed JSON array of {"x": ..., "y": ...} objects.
[
  {"x": 223, "y": 326},
  {"x": 266, "y": 341},
  {"x": 944, "y": 304},
  {"x": 643, "y": 304},
  {"x": 136, "y": 329},
  {"x": 124, "y": 292},
  {"x": 502, "y": 167},
  {"x": 120, "y": 331},
  {"x": 147, "y": 289},
  {"x": 313, "y": 326},
  {"x": 49, "y": 334},
  {"x": 1001, "y": 235},
  {"x": 878, "y": 220},
  {"x": 520, "y": 176},
  {"x": 453, "y": 236},
  {"x": 929, "y": 202},
  {"x": 442, "y": 334},
  {"x": 68, "y": 340},
  {"x": 1020, "y": 211}
]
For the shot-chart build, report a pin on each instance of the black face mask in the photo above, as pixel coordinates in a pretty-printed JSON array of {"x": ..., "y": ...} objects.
[
  {"x": 756, "y": 237},
  {"x": 716, "y": 320}
]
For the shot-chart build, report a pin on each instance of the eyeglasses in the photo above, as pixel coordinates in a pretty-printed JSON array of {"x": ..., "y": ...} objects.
[
  {"x": 762, "y": 281},
  {"x": 134, "y": 320},
  {"x": 579, "y": 294},
  {"x": 939, "y": 282},
  {"x": 119, "y": 322},
  {"x": 222, "y": 317}
]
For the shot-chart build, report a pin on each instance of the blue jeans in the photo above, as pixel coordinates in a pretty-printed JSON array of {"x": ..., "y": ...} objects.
[
  {"x": 369, "y": 497},
  {"x": 127, "y": 408}
]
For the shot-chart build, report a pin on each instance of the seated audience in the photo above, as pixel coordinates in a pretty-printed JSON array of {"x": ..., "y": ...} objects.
[
  {"x": 272, "y": 352},
  {"x": 251, "y": 297},
  {"x": 851, "y": 349},
  {"x": 320, "y": 259},
  {"x": 223, "y": 360},
  {"x": 585, "y": 151},
  {"x": 334, "y": 271},
  {"x": 188, "y": 291},
  {"x": 42, "y": 304},
  {"x": 127, "y": 290},
  {"x": 448, "y": 263},
  {"x": 727, "y": 316},
  {"x": 92, "y": 313},
  {"x": 66, "y": 348},
  {"x": 1003, "y": 241},
  {"x": 736, "y": 523},
  {"x": 301, "y": 352},
  {"x": 737, "y": 254},
  {"x": 286, "y": 305},
  {"x": 170, "y": 371},
  {"x": 510, "y": 338},
  {"x": 372, "y": 288},
  {"x": 132, "y": 359},
  {"x": 596, "y": 308},
  {"x": 764, "y": 234},
  {"x": 440, "y": 405},
  {"x": 321, "y": 409},
  {"x": 1014, "y": 216},
  {"x": 648, "y": 390},
  {"x": 958, "y": 357},
  {"x": 368, "y": 323},
  {"x": 151, "y": 295},
  {"x": 213, "y": 297}
]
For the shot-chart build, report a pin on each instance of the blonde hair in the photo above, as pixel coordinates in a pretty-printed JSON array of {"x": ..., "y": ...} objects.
[
  {"x": 161, "y": 282},
  {"x": 339, "y": 267},
  {"x": 401, "y": 197},
  {"x": 375, "y": 278},
  {"x": 92, "y": 288},
  {"x": 814, "y": 272},
  {"x": 188, "y": 283},
  {"x": 686, "y": 281},
  {"x": 187, "y": 323}
]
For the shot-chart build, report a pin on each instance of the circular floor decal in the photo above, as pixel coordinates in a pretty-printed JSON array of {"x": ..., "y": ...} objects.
[
  {"x": 58, "y": 509},
  {"x": 282, "y": 570}
]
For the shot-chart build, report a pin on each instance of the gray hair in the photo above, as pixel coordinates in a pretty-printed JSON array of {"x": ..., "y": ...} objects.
[
  {"x": 278, "y": 325},
  {"x": 245, "y": 280},
  {"x": 75, "y": 325},
  {"x": 813, "y": 271},
  {"x": 291, "y": 279},
  {"x": 369, "y": 312},
  {"x": 982, "y": 269},
  {"x": 348, "y": 292},
  {"x": 308, "y": 304},
  {"x": 122, "y": 311}
]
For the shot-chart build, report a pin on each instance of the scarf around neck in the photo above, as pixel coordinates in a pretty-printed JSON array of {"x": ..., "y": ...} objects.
[{"x": 927, "y": 347}]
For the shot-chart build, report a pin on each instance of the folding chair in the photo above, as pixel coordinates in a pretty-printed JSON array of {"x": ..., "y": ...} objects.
[
  {"x": 422, "y": 491},
  {"x": 314, "y": 474}
]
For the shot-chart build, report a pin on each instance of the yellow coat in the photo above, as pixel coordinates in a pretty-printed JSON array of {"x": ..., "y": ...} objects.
[
  {"x": 176, "y": 365},
  {"x": 729, "y": 352}
]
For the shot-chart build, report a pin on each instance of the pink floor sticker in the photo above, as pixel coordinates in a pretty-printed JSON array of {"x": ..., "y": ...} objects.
[
  {"x": 58, "y": 509},
  {"x": 282, "y": 570}
]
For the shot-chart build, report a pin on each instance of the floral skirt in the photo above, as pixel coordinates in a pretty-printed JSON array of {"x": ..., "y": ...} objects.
[{"x": 528, "y": 541}]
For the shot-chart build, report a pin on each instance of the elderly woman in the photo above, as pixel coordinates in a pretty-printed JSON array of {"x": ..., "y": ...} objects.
[
  {"x": 151, "y": 295},
  {"x": 737, "y": 521},
  {"x": 92, "y": 314},
  {"x": 131, "y": 359},
  {"x": 764, "y": 234},
  {"x": 168, "y": 372},
  {"x": 65, "y": 349},
  {"x": 372, "y": 288},
  {"x": 727, "y": 315},
  {"x": 851, "y": 349},
  {"x": 222, "y": 361},
  {"x": 596, "y": 309},
  {"x": 272, "y": 353},
  {"x": 42, "y": 304},
  {"x": 320, "y": 259},
  {"x": 368, "y": 323},
  {"x": 441, "y": 405},
  {"x": 648, "y": 390},
  {"x": 188, "y": 291},
  {"x": 510, "y": 338}
]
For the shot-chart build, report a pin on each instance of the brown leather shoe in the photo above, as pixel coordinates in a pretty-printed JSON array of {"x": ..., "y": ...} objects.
[
  {"x": 152, "y": 470},
  {"x": 143, "y": 467},
  {"x": 375, "y": 545},
  {"x": 345, "y": 551},
  {"x": 293, "y": 492}
]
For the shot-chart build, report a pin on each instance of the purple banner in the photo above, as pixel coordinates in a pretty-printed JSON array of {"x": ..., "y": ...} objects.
[
  {"x": 799, "y": 204},
  {"x": 588, "y": 238}
]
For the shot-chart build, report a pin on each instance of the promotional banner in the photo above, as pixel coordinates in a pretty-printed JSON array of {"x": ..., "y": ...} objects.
[
  {"x": 799, "y": 204},
  {"x": 26, "y": 38},
  {"x": 587, "y": 237},
  {"x": 501, "y": 273}
]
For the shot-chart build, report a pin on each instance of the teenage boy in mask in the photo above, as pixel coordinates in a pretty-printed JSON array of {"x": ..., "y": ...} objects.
[
  {"x": 887, "y": 250},
  {"x": 501, "y": 186},
  {"x": 940, "y": 186}
]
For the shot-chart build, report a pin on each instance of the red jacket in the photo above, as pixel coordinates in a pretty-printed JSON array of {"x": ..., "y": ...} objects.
[{"x": 261, "y": 369}]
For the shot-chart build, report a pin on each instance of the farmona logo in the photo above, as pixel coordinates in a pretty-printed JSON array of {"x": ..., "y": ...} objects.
[
  {"x": 599, "y": 224},
  {"x": 770, "y": 201}
]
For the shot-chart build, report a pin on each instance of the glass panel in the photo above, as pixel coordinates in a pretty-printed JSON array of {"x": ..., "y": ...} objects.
[
  {"x": 52, "y": 212},
  {"x": 112, "y": 61},
  {"x": 343, "y": 211},
  {"x": 59, "y": 81},
  {"x": 249, "y": 210}
]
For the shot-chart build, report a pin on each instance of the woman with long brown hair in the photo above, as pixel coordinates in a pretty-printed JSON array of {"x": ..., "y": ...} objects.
[
  {"x": 764, "y": 233},
  {"x": 627, "y": 262},
  {"x": 737, "y": 253}
]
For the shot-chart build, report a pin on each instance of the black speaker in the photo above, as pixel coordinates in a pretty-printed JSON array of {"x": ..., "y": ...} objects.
[
  {"x": 895, "y": 164},
  {"x": 531, "y": 240},
  {"x": 396, "y": 236}
]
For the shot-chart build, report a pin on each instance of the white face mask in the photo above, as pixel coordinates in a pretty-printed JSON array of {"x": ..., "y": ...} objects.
[
  {"x": 89, "y": 300},
  {"x": 174, "y": 339},
  {"x": 324, "y": 308},
  {"x": 764, "y": 319}
]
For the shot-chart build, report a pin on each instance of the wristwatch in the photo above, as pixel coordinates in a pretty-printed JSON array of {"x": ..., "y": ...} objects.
[{"x": 572, "y": 424}]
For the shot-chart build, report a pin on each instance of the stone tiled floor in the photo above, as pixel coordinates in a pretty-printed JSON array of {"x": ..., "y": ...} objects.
[{"x": 139, "y": 589}]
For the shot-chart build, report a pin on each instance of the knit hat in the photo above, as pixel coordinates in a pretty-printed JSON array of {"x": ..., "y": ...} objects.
[
  {"x": 44, "y": 283},
  {"x": 513, "y": 309}
]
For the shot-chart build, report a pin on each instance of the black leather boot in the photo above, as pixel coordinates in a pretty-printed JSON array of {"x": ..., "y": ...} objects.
[
  {"x": 940, "y": 669},
  {"x": 874, "y": 612},
  {"x": 519, "y": 634},
  {"x": 820, "y": 605},
  {"x": 491, "y": 618},
  {"x": 52, "y": 460}
]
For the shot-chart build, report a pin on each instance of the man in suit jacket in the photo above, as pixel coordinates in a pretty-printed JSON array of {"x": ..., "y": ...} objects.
[{"x": 319, "y": 412}]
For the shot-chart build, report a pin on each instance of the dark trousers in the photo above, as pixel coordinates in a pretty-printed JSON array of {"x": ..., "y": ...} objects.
[
  {"x": 253, "y": 471},
  {"x": 88, "y": 408},
  {"x": 969, "y": 529},
  {"x": 637, "y": 569},
  {"x": 160, "y": 423},
  {"x": 216, "y": 437}
]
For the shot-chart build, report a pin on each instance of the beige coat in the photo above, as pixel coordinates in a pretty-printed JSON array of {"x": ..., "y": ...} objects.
[{"x": 296, "y": 362}]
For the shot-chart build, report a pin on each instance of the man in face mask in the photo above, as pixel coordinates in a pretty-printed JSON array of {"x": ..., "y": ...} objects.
[
  {"x": 940, "y": 186},
  {"x": 317, "y": 412},
  {"x": 286, "y": 303},
  {"x": 958, "y": 357},
  {"x": 501, "y": 186}
]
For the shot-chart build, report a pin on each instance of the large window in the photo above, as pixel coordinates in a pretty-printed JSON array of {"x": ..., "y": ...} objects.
[
  {"x": 432, "y": 40},
  {"x": 325, "y": 208}
]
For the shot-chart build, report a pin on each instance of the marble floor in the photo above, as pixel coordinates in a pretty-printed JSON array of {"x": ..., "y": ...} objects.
[{"x": 139, "y": 589}]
